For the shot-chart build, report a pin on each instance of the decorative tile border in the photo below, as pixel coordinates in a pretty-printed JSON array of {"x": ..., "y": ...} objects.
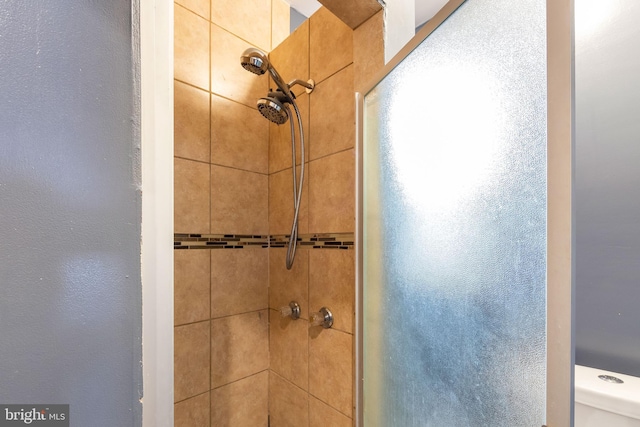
[
  {"x": 240, "y": 241},
  {"x": 218, "y": 241},
  {"x": 316, "y": 241}
]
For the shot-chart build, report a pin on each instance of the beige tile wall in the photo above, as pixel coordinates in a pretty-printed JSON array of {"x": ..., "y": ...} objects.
[
  {"x": 241, "y": 403},
  {"x": 315, "y": 363},
  {"x": 236, "y": 359},
  {"x": 288, "y": 404},
  {"x": 193, "y": 412},
  {"x": 312, "y": 369},
  {"x": 368, "y": 52},
  {"x": 221, "y": 171}
]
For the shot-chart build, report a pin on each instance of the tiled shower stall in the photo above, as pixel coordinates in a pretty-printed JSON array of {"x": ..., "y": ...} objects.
[{"x": 237, "y": 361}]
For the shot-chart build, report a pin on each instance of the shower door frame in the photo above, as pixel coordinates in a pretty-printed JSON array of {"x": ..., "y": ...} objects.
[
  {"x": 560, "y": 212},
  {"x": 152, "y": 26}
]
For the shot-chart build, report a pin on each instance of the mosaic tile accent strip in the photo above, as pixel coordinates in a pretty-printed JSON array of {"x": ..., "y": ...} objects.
[
  {"x": 316, "y": 241},
  {"x": 239, "y": 241},
  {"x": 218, "y": 241}
]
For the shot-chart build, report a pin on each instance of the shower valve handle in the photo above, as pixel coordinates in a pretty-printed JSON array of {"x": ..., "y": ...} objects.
[
  {"x": 322, "y": 318},
  {"x": 292, "y": 310}
]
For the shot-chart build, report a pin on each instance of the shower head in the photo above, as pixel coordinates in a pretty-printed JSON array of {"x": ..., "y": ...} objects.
[
  {"x": 273, "y": 105},
  {"x": 254, "y": 60},
  {"x": 273, "y": 109}
]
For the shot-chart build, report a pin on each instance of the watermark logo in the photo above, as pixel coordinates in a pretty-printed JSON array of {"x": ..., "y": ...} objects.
[{"x": 34, "y": 415}]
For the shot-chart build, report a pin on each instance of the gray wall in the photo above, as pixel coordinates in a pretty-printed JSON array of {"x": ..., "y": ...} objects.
[
  {"x": 295, "y": 19},
  {"x": 70, "y": 309},
  {"x": 608, "y": 186}
]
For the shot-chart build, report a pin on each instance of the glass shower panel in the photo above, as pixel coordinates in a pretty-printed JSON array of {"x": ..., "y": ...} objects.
[{"x": 454, "y": 219}]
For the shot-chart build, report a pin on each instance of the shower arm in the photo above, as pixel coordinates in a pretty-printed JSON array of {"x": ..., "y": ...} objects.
[{"x": 308, "y": 85}]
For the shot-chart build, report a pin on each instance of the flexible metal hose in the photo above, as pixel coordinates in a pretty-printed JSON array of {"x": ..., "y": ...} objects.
[{"x": 297, "y": 188}]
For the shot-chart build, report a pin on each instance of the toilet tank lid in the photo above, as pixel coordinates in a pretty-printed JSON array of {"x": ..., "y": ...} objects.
[{"x": 623, "y": 399}]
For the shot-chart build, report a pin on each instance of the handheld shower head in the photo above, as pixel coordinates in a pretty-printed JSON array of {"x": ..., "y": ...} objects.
[
  {"x": 273, "y": 109},
  {"x": 255, "y": 60}
]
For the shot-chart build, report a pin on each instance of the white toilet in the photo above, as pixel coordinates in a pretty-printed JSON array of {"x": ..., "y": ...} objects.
[{"x": 606, "y": 403}]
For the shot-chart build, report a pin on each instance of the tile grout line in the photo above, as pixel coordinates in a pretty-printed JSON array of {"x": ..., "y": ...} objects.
[
  {"x": 238, "y": 36},
  {"x": 335, "y": 72},
  {"x": 268, "y": 245},
  {"x": 330, "y": 406},
  {"x": 240, "y": 379},
  {"x": 210, "y": 60},
  {"x": 192, "y": 397},
  {"x": 226, "y": 316},
  {"x": 278, "y": 312},
  {"x": 210, "y": 91},
  {"x": 308, "y": 329}
]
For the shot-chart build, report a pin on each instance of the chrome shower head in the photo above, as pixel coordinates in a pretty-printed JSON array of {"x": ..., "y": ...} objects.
[
  {"x": 273, "y": 105},
  {"x": 254, "y": 60},
  {"x": 273, "y": 109}
]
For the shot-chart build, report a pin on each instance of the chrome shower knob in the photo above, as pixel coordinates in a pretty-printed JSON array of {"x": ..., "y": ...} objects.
[
  {"x": 292, "y": 310},
  {"x": 323, "y": 318}
]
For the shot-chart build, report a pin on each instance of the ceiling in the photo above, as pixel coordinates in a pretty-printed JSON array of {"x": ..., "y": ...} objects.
[{"x": 425, "y": 9}]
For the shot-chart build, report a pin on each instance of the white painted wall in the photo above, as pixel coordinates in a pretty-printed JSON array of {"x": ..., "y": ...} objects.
[{"x": 399, "y": 26}]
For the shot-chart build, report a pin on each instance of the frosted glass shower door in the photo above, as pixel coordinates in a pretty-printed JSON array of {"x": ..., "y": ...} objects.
[{"x": 454, "y": 226}]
